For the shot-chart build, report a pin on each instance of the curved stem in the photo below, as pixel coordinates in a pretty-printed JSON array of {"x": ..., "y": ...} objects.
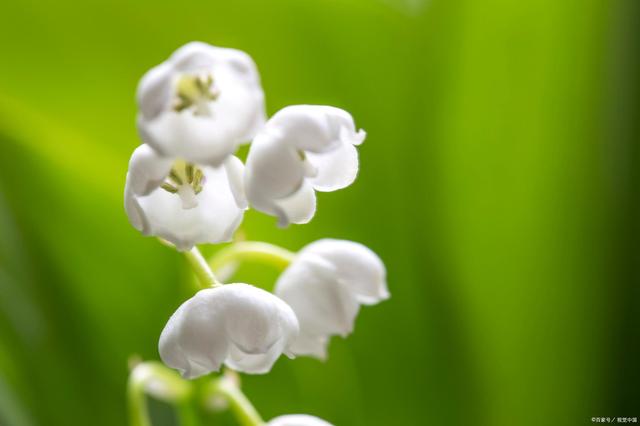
[
  {"x": 201, "y": 268},
  {"x": 138, "y": 414},
  {"x": 158, "y": 381},
  {"x": 242, "y": 408},
  {"x": 251, "y": 250}
]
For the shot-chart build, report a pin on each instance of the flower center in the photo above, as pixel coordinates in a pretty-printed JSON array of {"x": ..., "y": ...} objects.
[
  {"x": 186, "y": 180},
  {"x": 195, "y": 92}
]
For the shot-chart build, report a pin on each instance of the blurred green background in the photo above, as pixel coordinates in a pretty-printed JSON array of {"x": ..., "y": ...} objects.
[{"x": 499, "y": 182}]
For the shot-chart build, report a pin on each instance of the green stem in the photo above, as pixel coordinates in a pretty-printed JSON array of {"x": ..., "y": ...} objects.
[
  {"x": 251, "y": 250},
  {"x": 187, "y": 414},
  {"x": 201, "y": 268},
  {"x": 138, "y": 415},
  {"x": 154, "y": 379},
  {"x": 242, "y": 408}
]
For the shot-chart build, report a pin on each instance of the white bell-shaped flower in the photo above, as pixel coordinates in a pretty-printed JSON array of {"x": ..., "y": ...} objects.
[
  {"x": 184, "y": 203},
  {"x": 325, "y": 285},
  {"x": 239, "y": 325},
  {"x": 298, "y": 420},
  {"x": 200, "y": 103},
  {"x": 301, "y": 149}
]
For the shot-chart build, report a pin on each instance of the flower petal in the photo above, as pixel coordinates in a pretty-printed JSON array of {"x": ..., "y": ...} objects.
[
  {"x": 237, "y": 324},
  {"x": 257, "y": 325},
  {"x": 359, "y": 269},
  {"x": 208, "y": 143},
  {"x": 298, "y": 420},
  {"x": 273, "y": 170},
  {"x": 325, "y": 285},
  {"x": 336, "y": 169},
  {"x": 233, "y": 116},
  {"x": 134, "y": 211},
  {"x": 323, "y": 306},
  {"x": 307, "y": 344},
  {"x": 253, "y": 363},
  {"x": 315, "y": 128},
  {"x": 192, "y": 341},
  {"x": 147, "y": 170},
  {"x": 154, "y": 91},
  {"x": 193, "y": 56},
  {"x": 235, "y": 174},
  {"x": 300, "y": 148},
  {"x": 298, "y": 208}
]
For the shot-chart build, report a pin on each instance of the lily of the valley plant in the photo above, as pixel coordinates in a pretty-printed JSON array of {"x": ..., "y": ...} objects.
[{"x": 186, "y": 187}]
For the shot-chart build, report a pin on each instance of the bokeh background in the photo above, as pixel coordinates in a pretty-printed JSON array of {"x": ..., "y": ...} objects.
[{"x": 499, "y": 183}]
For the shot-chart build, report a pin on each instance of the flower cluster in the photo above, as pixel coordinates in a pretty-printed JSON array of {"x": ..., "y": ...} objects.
[{"x": 186, "y": 186}]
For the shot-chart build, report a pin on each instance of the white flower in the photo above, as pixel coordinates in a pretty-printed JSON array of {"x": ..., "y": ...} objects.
[
  {"x": 325, "y": 285},
  {"x": 302, "y": 148},
  {"x": 239, "y": 325},
  {"x": 298, "y": 420},
  {"x": 200, "y": 103},
  {"x": 182, "y": 202}
]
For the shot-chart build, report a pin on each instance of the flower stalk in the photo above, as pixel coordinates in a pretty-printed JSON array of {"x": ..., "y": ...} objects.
[
  {"x": 201, "y": 268},
  {"x": 154, "y": 379},
  {"x": 187, "y": 413},
  {"x": 251, "y": 251},
  {"x": 138, "y": 414},
  {"x": 226, "y": 387}
]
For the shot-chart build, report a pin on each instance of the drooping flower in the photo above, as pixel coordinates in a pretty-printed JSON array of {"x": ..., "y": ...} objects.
[
  {"x": 302, "y": 148},
  {"x": 298, "y": 420},
  {"x": 200, "y": 103},
  {"x": 325, "y": 285},
  {"x": 239, "y": 325},
  {"x": 184, "y": 203}
]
